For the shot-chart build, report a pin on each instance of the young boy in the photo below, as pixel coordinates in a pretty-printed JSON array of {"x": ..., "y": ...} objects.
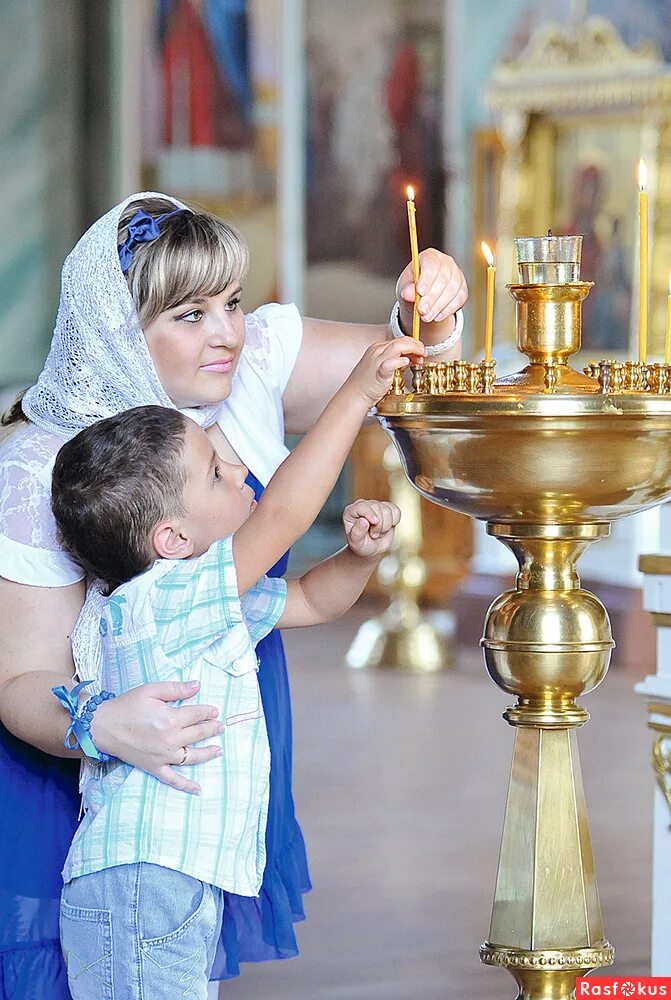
[{"x": 144, "y": 503}]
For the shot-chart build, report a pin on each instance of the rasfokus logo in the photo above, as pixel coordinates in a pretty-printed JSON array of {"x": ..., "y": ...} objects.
[{"x": 628, "y": 986}]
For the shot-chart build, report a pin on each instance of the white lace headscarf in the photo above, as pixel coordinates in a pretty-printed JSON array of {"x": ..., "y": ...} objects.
[{"x": 99, "y": 363}]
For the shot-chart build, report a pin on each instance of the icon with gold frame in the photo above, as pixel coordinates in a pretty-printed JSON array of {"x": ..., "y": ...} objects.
[{"x": 573, "y": 114}]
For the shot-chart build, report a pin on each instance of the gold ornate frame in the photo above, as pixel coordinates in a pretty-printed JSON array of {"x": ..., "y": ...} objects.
[{"x": 573, "y": 76}]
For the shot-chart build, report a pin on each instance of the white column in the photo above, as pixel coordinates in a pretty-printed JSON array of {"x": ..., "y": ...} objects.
[
  {"x": 656, "y": 688},
  {"x": 131, "y": 29},
  {"x": 291, "y": 166},
  {"x": 455, "y": 146}
]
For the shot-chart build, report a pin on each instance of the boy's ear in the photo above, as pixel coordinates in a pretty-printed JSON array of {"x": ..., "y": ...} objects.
[{"x": 170, "y": 543}]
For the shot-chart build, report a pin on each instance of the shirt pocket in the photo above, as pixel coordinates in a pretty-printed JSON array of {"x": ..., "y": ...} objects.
[{"x": 234, "y": 655}]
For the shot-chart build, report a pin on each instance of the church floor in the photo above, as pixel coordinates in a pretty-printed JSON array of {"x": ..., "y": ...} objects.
[{"x": 400, "y": 788}]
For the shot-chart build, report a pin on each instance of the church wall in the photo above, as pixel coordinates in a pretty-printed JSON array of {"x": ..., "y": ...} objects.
[{"x": 39, "y": 173}]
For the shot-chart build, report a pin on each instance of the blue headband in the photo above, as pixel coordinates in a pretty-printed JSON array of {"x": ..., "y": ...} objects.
[{"x": 142, "y": 228}]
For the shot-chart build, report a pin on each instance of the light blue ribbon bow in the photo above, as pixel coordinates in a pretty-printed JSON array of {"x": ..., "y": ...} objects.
[{"x": 78, "y": 734}]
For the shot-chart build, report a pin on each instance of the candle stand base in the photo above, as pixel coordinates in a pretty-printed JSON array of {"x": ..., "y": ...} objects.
[
  {"x": 546, "y": 924},
  {"x": 547, "y": 642},
  {"x": 547, "y": 975}
]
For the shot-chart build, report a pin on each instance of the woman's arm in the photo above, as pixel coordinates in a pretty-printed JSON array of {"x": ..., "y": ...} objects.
[
  {"x": 139, "y": 727},
  {"x": 329, "y": 351},
  {"x": 36, "y": 655}
]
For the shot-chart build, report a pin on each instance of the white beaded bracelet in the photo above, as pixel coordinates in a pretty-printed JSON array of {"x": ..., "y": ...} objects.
[{"x": 431, "y": 349}]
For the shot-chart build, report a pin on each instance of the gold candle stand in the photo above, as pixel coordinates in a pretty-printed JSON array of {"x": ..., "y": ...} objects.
[{"x": 548, "y": 457}]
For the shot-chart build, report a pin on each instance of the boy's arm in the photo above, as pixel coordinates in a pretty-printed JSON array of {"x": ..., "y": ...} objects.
[
  {"x": 330, "y": 589},
  {"x": 299, "y": 488},
  {"x": 327, "y": 590}
]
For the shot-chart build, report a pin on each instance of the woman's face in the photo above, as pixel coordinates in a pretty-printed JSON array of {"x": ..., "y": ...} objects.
[{"x": 195, "y": 347}]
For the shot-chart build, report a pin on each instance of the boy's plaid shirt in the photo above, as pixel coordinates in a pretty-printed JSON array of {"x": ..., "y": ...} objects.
[{"x": 183, "y": 620}]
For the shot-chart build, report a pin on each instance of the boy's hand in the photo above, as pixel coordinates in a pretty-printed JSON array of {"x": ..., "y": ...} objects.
[
  {"x": 374, "y": 373},
  {"x": 441, "y": 287},
  {"x": 369, "y": 526}
]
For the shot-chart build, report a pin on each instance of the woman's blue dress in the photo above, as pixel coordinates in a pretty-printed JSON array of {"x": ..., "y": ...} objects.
[
  {"x": 260, "y": 928},
  {"x": 39, "y": 805}
]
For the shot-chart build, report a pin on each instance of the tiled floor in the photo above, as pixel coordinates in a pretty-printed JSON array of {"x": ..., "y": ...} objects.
[{"x": 400, "y": 787}]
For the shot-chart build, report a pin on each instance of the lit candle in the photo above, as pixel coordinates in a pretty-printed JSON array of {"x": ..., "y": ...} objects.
[
  {"x": 489, "y": 312},
  {"x": 667, "y": 342},
  {"x": 414, "y": 249},
  {"x": 643, "y": 265}
]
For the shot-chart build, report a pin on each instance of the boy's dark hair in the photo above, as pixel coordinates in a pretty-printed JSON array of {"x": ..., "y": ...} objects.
[{"x": 113, "y": 483}]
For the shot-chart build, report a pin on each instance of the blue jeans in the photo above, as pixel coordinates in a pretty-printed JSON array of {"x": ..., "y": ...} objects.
[{"x": 139, "y": 932}]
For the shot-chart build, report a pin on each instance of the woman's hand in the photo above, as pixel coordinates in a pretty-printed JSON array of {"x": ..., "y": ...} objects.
[
  {"x": 369, "y": 527},
  {"x": 141, "y": 728},
  {"x": 329, "y": 351},
  {"x": 441, "y": 287}
]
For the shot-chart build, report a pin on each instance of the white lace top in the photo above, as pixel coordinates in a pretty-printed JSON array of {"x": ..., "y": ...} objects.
[{"x": 252, "y": 420}]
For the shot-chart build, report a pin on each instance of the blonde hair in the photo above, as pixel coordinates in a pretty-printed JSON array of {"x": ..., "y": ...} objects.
[{"x": 196, "y": 254}]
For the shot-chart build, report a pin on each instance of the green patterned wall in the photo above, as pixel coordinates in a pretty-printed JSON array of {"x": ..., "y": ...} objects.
[{"x": 38, "y": 175}]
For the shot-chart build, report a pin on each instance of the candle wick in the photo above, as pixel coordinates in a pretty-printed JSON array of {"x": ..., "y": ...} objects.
[{"x": 549, "y": 232}]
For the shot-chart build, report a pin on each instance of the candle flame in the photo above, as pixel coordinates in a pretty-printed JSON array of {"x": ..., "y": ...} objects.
[
  {"x": 411, "y": 193},
  {"x": 642, "y": 174},
  {"x": 489, "y": 256}
]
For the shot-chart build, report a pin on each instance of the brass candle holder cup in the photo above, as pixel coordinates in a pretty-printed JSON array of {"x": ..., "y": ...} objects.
[{"x": 548, "y": 457}]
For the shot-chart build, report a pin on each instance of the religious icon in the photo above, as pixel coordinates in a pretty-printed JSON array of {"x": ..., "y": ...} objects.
[
  {"x": 570, "y": 141},
  {"x": 373, "y": 127},
  {"x": 203, "y": 76},
  {"x": 595, "y": 196},
  {"x": 209, "y": 99},
  {"x": 209, "y": 114}
]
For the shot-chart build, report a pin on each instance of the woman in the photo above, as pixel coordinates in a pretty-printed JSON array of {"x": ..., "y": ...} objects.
[{"x": 150, "y": 313}]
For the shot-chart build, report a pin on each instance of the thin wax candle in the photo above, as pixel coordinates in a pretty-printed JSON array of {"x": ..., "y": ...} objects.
[
  {"x": 643, "y": 265},
  {"x": 489, "y": 311},
  {"x": 414, "y": 250}
]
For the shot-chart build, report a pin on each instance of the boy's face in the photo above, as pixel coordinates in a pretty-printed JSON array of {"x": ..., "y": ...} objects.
[{"x": 216, "y": 497}]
